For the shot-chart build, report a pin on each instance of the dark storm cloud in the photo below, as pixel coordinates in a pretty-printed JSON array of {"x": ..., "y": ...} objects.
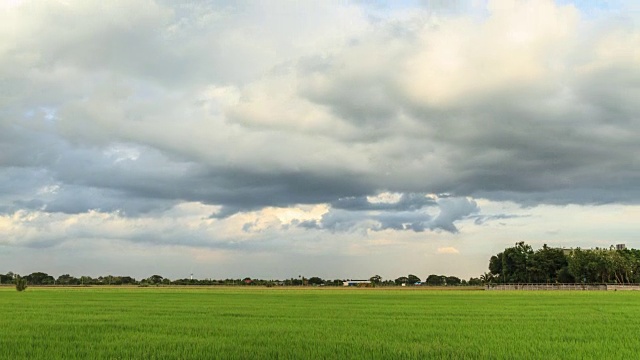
[
  {"x": 76, "y": 200},
  {"x": 402, "y": 216},
  {"x": 406, "y": 202},
  {"x": 87, "y": 179}
]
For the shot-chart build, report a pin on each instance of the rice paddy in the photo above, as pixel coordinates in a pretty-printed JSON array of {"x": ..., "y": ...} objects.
[{"x": 261, "y": 323}]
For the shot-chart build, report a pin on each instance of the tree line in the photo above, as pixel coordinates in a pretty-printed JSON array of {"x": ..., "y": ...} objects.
[
  {"x": 516, "y": 264},
  {"x": 521, "y": 264},
  {"x": 41, "y": 278}
]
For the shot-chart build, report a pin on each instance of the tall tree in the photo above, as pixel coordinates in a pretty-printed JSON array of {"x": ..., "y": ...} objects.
[
  {"x": 485, "y": 278},
  {"x": 495, "y": 267},
  {"x": 546, "y": 263},
  {"x": 585, "y": 265},
  {"x": 515, "y": 261}
]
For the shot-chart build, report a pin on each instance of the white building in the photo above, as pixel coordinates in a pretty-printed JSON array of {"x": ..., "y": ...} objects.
[{"x": 355, "y": 282}]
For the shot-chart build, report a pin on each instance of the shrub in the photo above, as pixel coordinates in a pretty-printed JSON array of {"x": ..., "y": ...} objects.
[{"x": 21, "y": 284}]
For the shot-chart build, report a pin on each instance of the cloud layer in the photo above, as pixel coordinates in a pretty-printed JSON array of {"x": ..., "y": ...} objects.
[{"x": 136, "y": 109}]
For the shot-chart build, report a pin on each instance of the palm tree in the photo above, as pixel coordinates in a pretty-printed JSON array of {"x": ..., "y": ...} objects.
[{"x": 486, "y": 278}]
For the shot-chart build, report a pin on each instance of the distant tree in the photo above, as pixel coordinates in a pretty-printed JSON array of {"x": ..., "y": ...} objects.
[
  {"x": 87, "y": 280},
  {"x": 436, "y": 280},
  {"x": 475, "y": 281},
  {"x": 155, "y": 279},
  {"x": 6, "y": 279},
  {"x": 452, "y": 281},
  {"x": 67, "y": 279},
  {"x": 376, "y": 279},
  {"x": 412, "y": 279},
  {"x": 127, "y": 280},
  {"x": 180, "y": 282},
  {"x": 315, "y": 281},
  {"x": 39, "y": 278},
  {"x": 109, "y": 280},
  {"x": 401, "y": 280}
]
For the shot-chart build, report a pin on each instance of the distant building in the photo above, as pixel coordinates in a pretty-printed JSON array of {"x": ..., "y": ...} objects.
[
  {"x": 355, "y": 282},
  {"x": 621, "y": 246}
]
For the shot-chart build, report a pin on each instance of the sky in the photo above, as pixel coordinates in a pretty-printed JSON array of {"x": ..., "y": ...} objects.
[{"x": 339, "y": 139}]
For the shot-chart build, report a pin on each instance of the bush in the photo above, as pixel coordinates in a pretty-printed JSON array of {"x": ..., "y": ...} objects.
[{"x": 21, "y": 284}]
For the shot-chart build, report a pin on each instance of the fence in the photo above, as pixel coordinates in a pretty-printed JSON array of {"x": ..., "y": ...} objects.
[
  {"x": 582, "y": 287},
  {"x": 623, "y": 287}
]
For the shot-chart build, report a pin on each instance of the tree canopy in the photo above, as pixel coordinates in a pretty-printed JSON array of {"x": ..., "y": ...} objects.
[{"x": 521, "y": 264}]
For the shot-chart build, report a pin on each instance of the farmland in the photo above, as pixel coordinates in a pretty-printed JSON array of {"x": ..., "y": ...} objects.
[{"x": 241, "y": 323}]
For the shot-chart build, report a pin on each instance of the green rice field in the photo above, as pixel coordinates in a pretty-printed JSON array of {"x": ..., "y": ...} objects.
[{"x": 267, "y": 323}]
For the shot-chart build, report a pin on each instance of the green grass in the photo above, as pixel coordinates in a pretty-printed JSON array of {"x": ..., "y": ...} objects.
[{"x": 232, "y": 323}]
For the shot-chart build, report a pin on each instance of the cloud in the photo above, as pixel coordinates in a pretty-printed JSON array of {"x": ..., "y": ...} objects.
[
  {"x": 404, "y": 202},
  {"x": 481, "y": 219},
  {"x": 360, "y": 214},
  {"x": 448, "y": 250}
]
